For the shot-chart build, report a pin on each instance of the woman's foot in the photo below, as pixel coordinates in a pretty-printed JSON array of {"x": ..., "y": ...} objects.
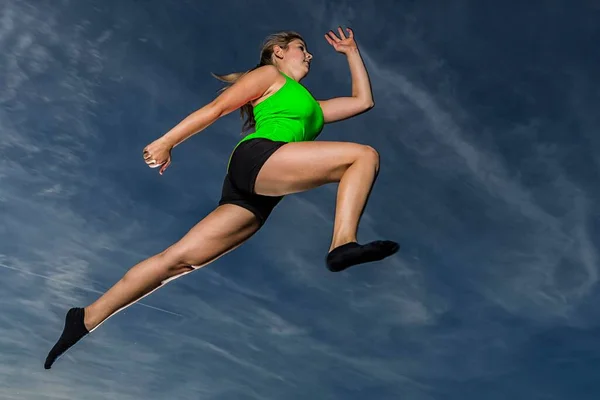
[
  {"x": 73, "y": 331},
  {"x": 352, "y": 253}
]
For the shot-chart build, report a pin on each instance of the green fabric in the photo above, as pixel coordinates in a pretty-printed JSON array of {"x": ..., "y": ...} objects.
[{"x": 289, "y": 115}]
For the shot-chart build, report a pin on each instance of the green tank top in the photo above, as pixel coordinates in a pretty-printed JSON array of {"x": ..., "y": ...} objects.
[{"x": 291, "y": 114}]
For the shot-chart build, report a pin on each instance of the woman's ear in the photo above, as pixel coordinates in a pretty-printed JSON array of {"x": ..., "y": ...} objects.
[{"x": 278, "y": 51}]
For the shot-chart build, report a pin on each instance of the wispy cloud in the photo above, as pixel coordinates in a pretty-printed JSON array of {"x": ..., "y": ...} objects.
[{"x": 528, "y": 267}]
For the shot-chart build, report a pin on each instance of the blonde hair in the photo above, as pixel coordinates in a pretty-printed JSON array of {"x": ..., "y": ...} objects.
[{"x": 281, "y": 39}]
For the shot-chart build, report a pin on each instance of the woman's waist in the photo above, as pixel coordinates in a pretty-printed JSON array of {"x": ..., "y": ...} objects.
[{"x": 279, "y": 131}]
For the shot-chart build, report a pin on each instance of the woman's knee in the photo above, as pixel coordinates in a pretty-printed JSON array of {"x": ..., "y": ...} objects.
[
  {"x": 175, "y": 259},
  {"x": 371, "y": 155},
  {"x": 181, "y": 256},
  {"x": 201, "y": 248}
]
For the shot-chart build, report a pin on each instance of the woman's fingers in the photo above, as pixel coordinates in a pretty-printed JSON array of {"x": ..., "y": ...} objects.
[
  {"x": 152, "y": 161},
  {"x": 157, "y": 154},
  {"x": 165, "y": 166},
  {"x": 333, "y": 39},
  {"x": 332, "y": 36},
  {"x": 331, "y": 42},
  {"x": 149, "y": 159}
]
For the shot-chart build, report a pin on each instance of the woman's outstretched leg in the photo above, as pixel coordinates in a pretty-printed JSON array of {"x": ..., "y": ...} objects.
[
  {"x": 221, "y": 231},
  {"x": 297, "y": 167}
]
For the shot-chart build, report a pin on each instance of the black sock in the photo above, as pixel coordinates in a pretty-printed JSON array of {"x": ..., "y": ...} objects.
[
  {"x": 73, "y": 331},
  {"x": 352, "y": 253}
]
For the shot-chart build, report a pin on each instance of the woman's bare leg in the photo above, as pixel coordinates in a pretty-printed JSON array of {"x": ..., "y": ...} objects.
[
  {"x": 353, "y": 192},
  {"x": 226, "y": 228},
  {"x": 219, "y": 232},
  {"x": 297, "y": 167}
]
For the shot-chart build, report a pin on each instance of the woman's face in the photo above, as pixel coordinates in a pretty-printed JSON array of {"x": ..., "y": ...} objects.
[{"x": 297, "y": 57}]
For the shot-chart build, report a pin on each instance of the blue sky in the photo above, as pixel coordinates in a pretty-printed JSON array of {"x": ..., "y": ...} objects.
[{"x": 485, "y": 119}]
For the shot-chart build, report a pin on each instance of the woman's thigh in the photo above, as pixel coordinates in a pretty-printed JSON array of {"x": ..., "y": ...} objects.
[{"x": 300, "y": 166}]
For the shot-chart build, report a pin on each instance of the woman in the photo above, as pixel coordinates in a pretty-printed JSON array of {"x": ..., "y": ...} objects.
[{"x": 279, "y": 158}]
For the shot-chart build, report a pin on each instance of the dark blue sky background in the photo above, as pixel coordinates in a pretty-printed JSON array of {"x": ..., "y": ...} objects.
[{"x": 486, "y": 120}]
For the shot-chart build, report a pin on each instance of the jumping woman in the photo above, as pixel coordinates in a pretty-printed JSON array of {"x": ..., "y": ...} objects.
[{"x": 279, "y": 158}]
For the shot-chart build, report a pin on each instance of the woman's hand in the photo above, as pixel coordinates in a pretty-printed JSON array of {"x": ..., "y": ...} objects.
[
  {"x": 158, "y": 153},
  {"x": 342, "y": 44}
]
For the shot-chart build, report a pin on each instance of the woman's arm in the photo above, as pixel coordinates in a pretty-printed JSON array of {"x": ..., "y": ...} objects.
[
  {"x": 340, "y": 108},
  {"x": 249, "y": 87}
]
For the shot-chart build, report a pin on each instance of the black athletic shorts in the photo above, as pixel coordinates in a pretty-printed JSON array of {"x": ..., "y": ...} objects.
[{"x": 238, "y": 186}]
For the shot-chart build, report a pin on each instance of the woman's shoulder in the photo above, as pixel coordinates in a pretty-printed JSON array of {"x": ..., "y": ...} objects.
[
  {"x": 268, "y": 70},
  {"x": 267, "y": 74}
]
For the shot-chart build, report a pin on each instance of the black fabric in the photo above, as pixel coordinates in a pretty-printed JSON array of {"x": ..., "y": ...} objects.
[
  {"x": 353, "y": 253},
  {"x": 244, "y": 166},
  {"x": 73, "y": 331}
]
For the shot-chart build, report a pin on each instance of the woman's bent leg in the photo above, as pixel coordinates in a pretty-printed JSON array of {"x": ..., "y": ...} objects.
[{"x": 296, "y": 167}]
